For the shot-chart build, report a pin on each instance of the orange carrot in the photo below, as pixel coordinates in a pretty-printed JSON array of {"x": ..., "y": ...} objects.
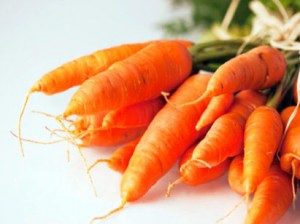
[
  {"x": 290, "y": 151},
  {"x": 260, "y": 68},
  {"x": 235, "y": 174},
  {"x": 216, "y": 107},
  {"x": 194, "y": 175},
  {"x": 225, "y": 137},
  {"x": 75, "y": 72},
  {"x": 88, "y": 129},
  {"x": 119, "y": 159},
  {"x": 273, "y": 197},
  {"x": 286, "y": 113},
  {"x": 139, "y": 114},
  {"x": 262, "y": 137},
  {"x": 160, "y": 66},
  {"x": 161, "y": 145},
  {"x": 111, "y": 136}
]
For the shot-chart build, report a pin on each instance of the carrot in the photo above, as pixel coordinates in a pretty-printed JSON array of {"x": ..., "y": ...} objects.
[
  {"x": 160, "y": 66},
  {"x": 290, "y": 151},
  {"x": 139, "y": 114},
  {"x": 77, "y": 71},
  {"x": 119, "y": 159},
  {"x": 235, "y": 174},
  {"x": 262, "y": 137},
  {"x": 216, "y": 107},
  {"x": 170, "y": 133},
  {"x": 285, "y": 115},
  {"x": 194, "y": 175},
  {"x": 111, "y": 136},
  {"x": 273, "y": 197},
  {"x": 88, "y": 129},
  {"x": 225, "y": 137},
  {"x": 260, "y": 68}
]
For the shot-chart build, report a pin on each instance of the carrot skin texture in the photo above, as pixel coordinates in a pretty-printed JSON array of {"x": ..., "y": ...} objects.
[
  {"x": 216, "y": 107},
  {"x": 120, "y": 158},
  {"x": 235, "y": 174},
  {"x": 262, "y": 137},
  {"x": 290, "y": 150},
  {"x": 220, "y": 143},
  {"x": 77, "y": 71},
  {"x": 273, "y": 197},
  {"x": 160, "y": 146},
  {"x": 160, "y": 66},
  {"x": 259, "y": 68},
  {"x": 194, "y": 175},
  {"x": 111, "y": 136},
  {"x": 140, "y": 114}
]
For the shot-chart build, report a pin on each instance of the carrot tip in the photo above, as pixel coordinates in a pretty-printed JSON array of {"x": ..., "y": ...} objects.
[{"x": 96, "y": 162}]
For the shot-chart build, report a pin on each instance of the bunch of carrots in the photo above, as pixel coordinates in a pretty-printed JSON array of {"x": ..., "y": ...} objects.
[{"x": 154, "y": 103}]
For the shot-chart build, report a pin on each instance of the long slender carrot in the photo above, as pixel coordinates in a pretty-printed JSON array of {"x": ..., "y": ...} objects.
[
  {"x": 216, "y": 107},
  {"x": 139, "y": 114},
  {"x": 171, "y": 132},
  {"x": 225, "y": 137},
  {"x": 260, "y": 68},
  {"x": 79, "y": 70},
  {"x": 273, "y": 197},
  {"x": 160, "y": 66},
  {"x": 119, "y": 159},
  {"x": 194, "y": 175},
  {"x": 262, "y": 137},
  {"x": 235, "y": 174}
]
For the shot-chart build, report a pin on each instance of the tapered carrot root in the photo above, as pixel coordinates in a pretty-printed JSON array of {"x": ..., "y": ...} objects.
[
  {"x": 259, "y": 68},
  {"x": 219, "y": 143},
  {"x": 235, "y": 174},
  {"x": 192, "y": 174},
  {"x": 140, "y": 114},
  {"x": 262, "y": 137},
  {"x": 158, "y": 67},
  {"x": 216, "y": 107},
  {"x": 273, "y": 197},
  {"x": 290, "y": 150},
  {"x": 119, "y": 159}
]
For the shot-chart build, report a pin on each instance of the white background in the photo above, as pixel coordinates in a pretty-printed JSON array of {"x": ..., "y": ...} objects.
[{"x": 35, "y": 37}]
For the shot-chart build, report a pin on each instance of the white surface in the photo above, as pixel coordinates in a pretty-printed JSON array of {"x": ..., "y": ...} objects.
[{"x": 36, "y": 36}]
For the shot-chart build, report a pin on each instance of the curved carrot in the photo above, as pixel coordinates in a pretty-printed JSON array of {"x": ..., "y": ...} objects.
[
  {"x": 119, "y": 159},
  {"x": 77, "y": 71},
  {"x": 286, "y": 113},
  {"x": 290, "y": 151},
  {"x": 194, "y": 175},
  {"x": 262, "y": 137},
  {"x": 160, "y": 66},
  {"x": 216, "y": 107},
  {"x": 139, "y": 114},
  {"x": 235, "y": 174},
  {"x": 89, "y": 131},
  {"x": 260, "y": 68},
  {"x": 161, "y": 146},
  {"x": 225, "y": 137},
  {"x": 273, "y": 197}
]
